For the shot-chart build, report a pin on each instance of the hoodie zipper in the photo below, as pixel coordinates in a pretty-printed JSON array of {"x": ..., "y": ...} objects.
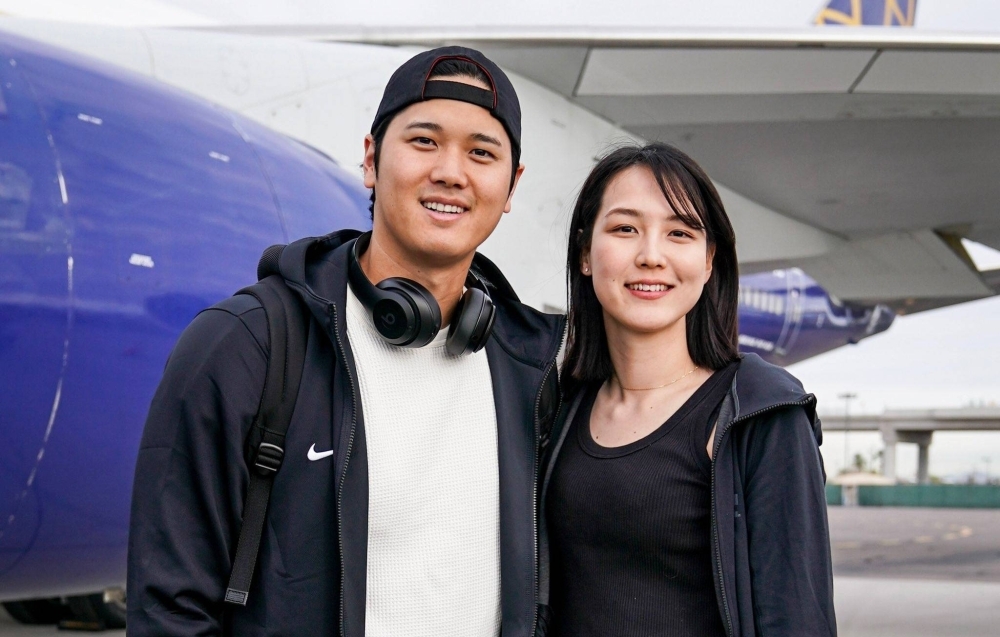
[
  {"x": 347, "y": 460},
  {"x": 534, "y": 481},
  {"x": 715, "y": 524}
]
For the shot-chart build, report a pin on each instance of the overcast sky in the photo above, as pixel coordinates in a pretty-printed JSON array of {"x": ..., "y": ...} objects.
[{"x": 942, "y": 358}]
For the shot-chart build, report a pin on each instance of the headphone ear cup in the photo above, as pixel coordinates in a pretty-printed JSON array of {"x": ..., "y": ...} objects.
[
  {"x": 408, "y": 316},
  {"x": 393, "y": 317},
  {"x": 473, "y": 320}
]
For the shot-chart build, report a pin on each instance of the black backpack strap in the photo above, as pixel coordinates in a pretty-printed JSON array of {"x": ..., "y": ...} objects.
[{"x": 287, "y": 326}]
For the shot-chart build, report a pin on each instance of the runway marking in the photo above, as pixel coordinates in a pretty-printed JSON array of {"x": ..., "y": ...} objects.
[{"x": 958, "y": 533}]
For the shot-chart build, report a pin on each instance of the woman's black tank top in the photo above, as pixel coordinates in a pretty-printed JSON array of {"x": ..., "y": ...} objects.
[{"x": 630, "y": 527}]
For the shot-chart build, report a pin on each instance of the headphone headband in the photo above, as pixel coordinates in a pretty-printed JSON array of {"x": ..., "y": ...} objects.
[{"x": 365, "y": 293}]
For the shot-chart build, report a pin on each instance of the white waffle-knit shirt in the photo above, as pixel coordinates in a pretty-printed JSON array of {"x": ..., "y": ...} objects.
[{"x": 433, "y": 487}]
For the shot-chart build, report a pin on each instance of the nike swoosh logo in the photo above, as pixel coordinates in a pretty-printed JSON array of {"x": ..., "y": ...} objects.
[{"x": 318, "y": 455}]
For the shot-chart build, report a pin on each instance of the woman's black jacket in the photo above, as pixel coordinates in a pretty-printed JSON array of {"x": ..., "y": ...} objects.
[
  {"x": 310, "y": 579},
  {"x": 770, "y": 538}
]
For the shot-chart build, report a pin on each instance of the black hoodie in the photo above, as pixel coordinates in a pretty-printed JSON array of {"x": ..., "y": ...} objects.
[
  {"x": 770, "y": 537},
  {"x": 191, "y": 475}
]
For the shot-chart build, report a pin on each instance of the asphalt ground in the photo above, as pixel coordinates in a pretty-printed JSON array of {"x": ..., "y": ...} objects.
[
  {"x": 897, "y": 572},
  {"x": 908, "y": 543}
]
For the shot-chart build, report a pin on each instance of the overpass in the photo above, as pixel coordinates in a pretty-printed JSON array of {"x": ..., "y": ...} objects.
[{"x": 916, "y": 426}]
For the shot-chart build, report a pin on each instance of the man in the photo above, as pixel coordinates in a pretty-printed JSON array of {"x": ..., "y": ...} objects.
[{"x": 405, "y": 504}]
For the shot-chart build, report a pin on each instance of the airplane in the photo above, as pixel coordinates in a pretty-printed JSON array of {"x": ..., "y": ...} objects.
[{"x": 131, "y": 198}]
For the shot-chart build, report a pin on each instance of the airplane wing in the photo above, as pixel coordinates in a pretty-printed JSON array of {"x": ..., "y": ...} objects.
[{"x": 863, "y": 156}]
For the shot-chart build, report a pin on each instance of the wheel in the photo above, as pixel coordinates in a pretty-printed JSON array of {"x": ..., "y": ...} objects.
[
  {"x": 106, "y": 609},
  {"x": 36, "y": 611}
]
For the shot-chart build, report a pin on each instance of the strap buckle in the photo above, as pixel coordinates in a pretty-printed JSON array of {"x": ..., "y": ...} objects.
[
  {"x": 236, "y": 597},
  {"x": 268, "y": 459}
]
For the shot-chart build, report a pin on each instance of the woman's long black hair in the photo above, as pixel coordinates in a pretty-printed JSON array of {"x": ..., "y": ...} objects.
[{"x": 712, "y": 324}]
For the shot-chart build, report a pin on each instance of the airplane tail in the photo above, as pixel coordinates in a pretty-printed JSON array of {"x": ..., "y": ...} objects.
[{"x": 857, "y": 13}]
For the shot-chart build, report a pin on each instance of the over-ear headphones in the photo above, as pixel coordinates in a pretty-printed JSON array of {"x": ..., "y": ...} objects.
[{"x": 406, "y": 314}]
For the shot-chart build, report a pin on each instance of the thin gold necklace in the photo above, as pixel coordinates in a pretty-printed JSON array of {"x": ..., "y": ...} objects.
[{"x": 658, "y": 386}]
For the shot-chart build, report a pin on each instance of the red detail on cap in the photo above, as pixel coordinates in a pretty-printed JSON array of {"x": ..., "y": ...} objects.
[{"x": 493, "y": 85}]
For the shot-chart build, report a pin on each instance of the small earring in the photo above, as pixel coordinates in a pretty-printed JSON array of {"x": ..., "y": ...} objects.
[{"x": 586, "y": 269}]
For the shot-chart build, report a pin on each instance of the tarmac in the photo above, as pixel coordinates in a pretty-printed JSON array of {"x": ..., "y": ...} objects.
[
  {"x": 897, "y": 572},
  {"x": 909, "y": 543},
  {"x": 916, "y": 572}
]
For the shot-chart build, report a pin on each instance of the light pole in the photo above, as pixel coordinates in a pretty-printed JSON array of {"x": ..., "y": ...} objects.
[{"x": 846, "y": 397}]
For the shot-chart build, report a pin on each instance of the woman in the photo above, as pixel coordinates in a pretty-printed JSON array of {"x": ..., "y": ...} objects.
[{"x": 684, "y": 491}]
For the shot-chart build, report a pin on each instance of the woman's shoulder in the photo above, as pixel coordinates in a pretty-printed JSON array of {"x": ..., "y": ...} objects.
[
  {"x": 776, "y": 411},
  {"x": 760, "y": 386}
]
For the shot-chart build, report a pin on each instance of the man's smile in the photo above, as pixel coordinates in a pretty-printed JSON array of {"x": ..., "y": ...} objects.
[{"x": 452, "y": 209}]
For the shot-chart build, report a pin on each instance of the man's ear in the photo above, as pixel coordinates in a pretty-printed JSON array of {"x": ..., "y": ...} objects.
[
  {"x": 368, "y": 164},
  {"x": 517, "y": 178}
]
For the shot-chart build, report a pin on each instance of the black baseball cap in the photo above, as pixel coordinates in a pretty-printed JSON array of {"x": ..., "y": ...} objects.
[{"x": 409, "y": 85}]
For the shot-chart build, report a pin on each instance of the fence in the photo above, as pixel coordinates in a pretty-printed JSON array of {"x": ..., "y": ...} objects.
[
  {"x": 959, "y": 496},
  {"x": 834, "y": 494}
]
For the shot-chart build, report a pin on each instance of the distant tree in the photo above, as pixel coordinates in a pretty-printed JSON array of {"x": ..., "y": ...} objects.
[{"x": 860, "y": 463}]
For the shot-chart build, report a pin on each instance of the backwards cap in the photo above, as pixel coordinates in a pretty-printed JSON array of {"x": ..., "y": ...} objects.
[{"x": 409, "y": 85}]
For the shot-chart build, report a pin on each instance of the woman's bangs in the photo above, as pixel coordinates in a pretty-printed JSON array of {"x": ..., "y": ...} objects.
[{"x": 682, "y": 193}]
